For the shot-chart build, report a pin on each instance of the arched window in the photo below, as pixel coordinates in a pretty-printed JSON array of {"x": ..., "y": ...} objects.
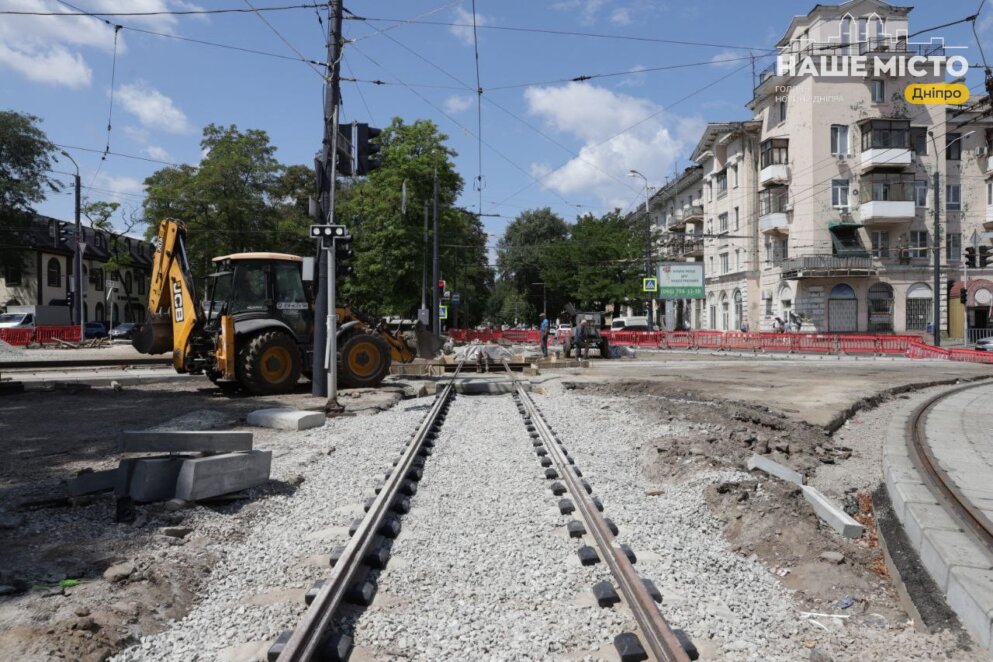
[
  {"x": 54, "y": 272},
  {"x": 140, "y": 277},
  {"x": 845, "y": 33},
  {"x": 843, "y": 309},
  {"x": 919, "y": 308},
  {"x": 725, "y": 312},
  {"x": 739, "y": 313},
  {"x": 881, "y": 307},
  {"x": 842, "y": 291}
]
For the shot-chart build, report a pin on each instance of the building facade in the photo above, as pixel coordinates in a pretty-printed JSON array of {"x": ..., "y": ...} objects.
[
  {"x": 678, "y": 215},
  {"x": 44, "y": 276}
]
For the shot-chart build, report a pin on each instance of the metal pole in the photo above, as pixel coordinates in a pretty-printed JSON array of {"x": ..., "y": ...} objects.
[
  {"x": 937, "y": 257},
  {"x": 424, "y": 262},
  {"x": 544, "y": 300},
  {"x": 331, "y": 358},
  {"x": 965, "y": 305},
  {"x": 78, "y": 271},
  {"x": 436, "y": 264}
]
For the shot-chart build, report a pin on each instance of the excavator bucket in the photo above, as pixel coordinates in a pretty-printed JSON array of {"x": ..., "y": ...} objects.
[
  {"x": 428, "y": 344},
  {"x": 155, "y": 335}
]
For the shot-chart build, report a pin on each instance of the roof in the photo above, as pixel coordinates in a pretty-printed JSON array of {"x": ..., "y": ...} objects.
[
  {"x": 715, "y": 130},
  {"x": 259, "y": 256},
  {"x": 40, "y": 233},
  {"x": 835, "y": 11}
]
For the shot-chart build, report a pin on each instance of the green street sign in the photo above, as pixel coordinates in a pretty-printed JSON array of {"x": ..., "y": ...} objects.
[
  {"x": 649, "y": 284},
  {"x": 443, "y": 312}
]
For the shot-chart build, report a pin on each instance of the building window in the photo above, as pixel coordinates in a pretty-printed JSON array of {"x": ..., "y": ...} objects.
[
  {"x": 953, "y": 146},
  {"x": 918, "y": 140},
  {"x": 918, "y": 243},
  {"x": 737, "y": 219},
  {"x": 953, "y": 197},
  {"x": 880, "y": 244},
  {"x": 128, "y": 284},
  {"x": 878, "y": 90},
  {"x": 782, "y": 109},
  {"x": 918, "y": 307},
  {"x": 710, "y": 191},
  {"x": 772, "y": 200},
  {"x": 722, "y": 221},
  {"x": 737, "y": 259},
  {"x": 839, "y": 193},
  {"x": 12, "y": 275},
  {"x": 885, "y": 134},
  {"x": 734, "y": 176},
  {"x": 768, "y": 307},
  {"x": 920, "y": 192},
  {"x": 98, "y": 280},
  {"x": 725, "y": 263},
  {"x": 140, "y": 277},
  {"x": 722, "y": 182},
  {"x": 775, "y": 151},
  {"x": 713, "y": 317},
  {"x": 953, "y": 246},
  {"x": 989, "y": 192},
  {"x": 54, "y": 272},
  {"x": 839, "y": 140}
]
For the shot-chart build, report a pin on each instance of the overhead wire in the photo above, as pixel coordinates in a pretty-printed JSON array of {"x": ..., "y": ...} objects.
[
  {"x": 284, "y": 39},
  {"x": 479, "y": 110},
  {"x": 169, "y": 12}
]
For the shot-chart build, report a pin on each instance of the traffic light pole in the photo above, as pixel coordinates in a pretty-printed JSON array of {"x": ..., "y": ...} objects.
[
  {"x": 965, "y": 304},
  {"x": 331, "y": 356},
  {"x": 937, "y": 257},
  {"x": 436, "y": 265}
]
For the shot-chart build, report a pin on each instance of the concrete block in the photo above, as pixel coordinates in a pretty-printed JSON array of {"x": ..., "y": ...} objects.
[
  {"x": 89, "y": 482},
  {"x": 185, "y": 442},
  {"x": 149, "y": 478},
  {"x": 942, "y": 550},
  {"x": 774, "y": 469},
  {"x": 970, "y": 595},
  {"x": 903, "y": 493},
  {"x": 486, "y": 387},
  {"x": 205, "y": 477},
  {"x": 281, "y": 418},
  {"x": 922, "y": 516},
  {"x": 832, "y": 515}
]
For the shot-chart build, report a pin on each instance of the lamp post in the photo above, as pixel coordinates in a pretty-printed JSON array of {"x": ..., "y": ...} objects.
[
  {"x": 77, "y": 271},
  {"x": 936, "y": 293},
  {"x": 648, "y": 248},
  {"x": 544, "y": 300}
]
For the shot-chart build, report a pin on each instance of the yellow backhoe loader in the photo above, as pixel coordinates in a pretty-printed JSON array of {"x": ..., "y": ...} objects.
[{"x": 256, "y": 326}]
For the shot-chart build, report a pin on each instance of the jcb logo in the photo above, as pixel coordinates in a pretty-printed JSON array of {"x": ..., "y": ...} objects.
[{"x": 177, "y": 300}]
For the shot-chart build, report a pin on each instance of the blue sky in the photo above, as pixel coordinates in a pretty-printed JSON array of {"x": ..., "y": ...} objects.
[{"x": 548, "y": 142}]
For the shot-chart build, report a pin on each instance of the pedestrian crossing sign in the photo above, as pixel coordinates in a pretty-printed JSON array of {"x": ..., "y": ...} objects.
[
  {"x": 443, "y": 312},
  {"x": 649, "y": 284}
]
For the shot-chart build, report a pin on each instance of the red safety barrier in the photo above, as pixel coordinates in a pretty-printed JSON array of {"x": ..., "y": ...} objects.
[
  {"x": 895, "y": 344},
  {"x": 970, "y": 356},
  {"x": 816, "y": 343},
  {"x": 18, "y": 337},
  {"x": 708, "y": 339},
  {"x": 676, "y": 340},
  {"x": 858, "y": 344},
  {"x": 918, "y": 350},
  {"x": 45, "y": 334},
  {"x": 779, "y": 342},
  {"x": 742, "y": 341}
]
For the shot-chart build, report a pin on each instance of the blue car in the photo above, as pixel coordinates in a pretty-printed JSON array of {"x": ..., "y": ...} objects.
[{"x": 95, "y": 330}]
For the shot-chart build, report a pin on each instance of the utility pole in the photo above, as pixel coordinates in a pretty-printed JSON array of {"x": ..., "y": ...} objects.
[
  {"x": 424, "y": 269},
  {"x": 77, "y": 286},
  {"x": 325, "y": 363},
  {"x": 436, "y": 265},
  {"x": 937, "y": 257}
]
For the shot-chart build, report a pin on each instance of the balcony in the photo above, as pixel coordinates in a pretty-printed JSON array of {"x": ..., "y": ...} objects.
[
  {"x": 827, "y": 266},
  {"x": 885, "y": 144},
  {"x": 774, "y": 208},
  {"x": 692, "y": 246},
  {"x": 774, "y": 173},
  {"x": 887, "y": 198},
  {"x": 775, "y": 222},
  {"x": 774, "y": 159},
  {"x": 693, "y": 212},
  {"x": 889, "y": 157}
]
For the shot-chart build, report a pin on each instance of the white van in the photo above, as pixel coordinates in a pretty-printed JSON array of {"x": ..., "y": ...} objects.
[{"x": 629, "y": 324}]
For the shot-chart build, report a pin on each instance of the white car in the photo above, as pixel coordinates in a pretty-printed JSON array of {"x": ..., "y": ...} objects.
[{"x": 984, "y": 344}]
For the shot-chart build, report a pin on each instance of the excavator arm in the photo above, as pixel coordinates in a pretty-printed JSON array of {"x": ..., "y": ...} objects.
[{"x": 174, "y": 313}]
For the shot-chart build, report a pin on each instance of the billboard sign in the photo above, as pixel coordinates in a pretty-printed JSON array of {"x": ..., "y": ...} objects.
[{"x": 681, "y": 280}]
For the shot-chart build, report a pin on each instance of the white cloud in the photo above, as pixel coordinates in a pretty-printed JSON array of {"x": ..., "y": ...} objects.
[
  {"x": 636, "y": 79},
  {"x": 458, "y": 103},
  {"x": 585, "y": 10},
  {"x": 152, "y": 108},
  {"x": 136, "y": 134},
  {"x": 619, "y": 13},
  {"x": 728, "y": 59},
  {"x": 621, "y": 16},
  {"x": 463, "y": 32},
  {"x": 656, "y": 141},
  {"x": 49, "y": 49},
  {"x": 157, "y": 153},
  {"x": 47, "y": 64}
]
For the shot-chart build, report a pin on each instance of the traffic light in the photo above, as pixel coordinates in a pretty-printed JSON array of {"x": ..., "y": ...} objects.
[
  {"x": 366, "y": 150},
  {"x": 984, "y": 256},
  {"x": 343, "y": 255},
  {"x": 345, "y": 151},
  {"x": 70, "y": 298},
  {"x": 963, "y": 295},
  {"x": 65, "y": 232},
  {"x": 970, "y": 257},
  {"x": 441, "y": 285}
]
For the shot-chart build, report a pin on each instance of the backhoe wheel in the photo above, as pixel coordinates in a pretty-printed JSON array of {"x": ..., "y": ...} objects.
[
  {"x": 365, "y": 361},
  {"x": 268, "y": 363}
]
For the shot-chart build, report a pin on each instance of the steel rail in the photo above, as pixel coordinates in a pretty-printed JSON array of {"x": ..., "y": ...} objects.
[
  {"x": 310, "y": 632},
  {"x": 939, "y": 479},
  {"x": 661, "y": 640}
]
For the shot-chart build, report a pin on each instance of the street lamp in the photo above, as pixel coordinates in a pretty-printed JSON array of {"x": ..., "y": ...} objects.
[
  {"x": 648, "y": 248},
  {"x": 544, "y": 300},
  {"x": 936, "y": 243},
  {"x": 77, "y": 278}
]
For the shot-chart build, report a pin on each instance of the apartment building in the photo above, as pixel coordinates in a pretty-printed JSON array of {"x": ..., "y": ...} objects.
[
  {"x": 678, "y": 214},
  {"x": 846, "y": 178},
  {"x": 45, "y": 273},
  {"x": 728, "y": 154}
]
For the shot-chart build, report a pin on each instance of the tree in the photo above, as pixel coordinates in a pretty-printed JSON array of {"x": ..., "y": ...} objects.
[
  {"x": 240, "y": 198},
  {"x": 388, "y": 229},
  {"x": 606, "y": 257},
  {"x": 524, "y": 255},
  {"x": 25, "y": 160}
]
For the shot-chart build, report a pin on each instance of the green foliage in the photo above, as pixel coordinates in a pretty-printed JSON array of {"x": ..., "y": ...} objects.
[
  {"x": 240, "y": 198},
  {"x": 25, "y": 158},
  {"x": 389, "y": 243}
]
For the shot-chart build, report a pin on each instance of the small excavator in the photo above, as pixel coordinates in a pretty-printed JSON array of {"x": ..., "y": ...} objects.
[{"x": 256, "y": 328}]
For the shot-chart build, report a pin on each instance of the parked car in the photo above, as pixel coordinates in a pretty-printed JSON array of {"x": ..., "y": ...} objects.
[
  {"x": 984, "y": 344},
  {"x": 123, "y": 331},
  {"x": 95, "y": 330},
  {"x": 629, "y": 324}
]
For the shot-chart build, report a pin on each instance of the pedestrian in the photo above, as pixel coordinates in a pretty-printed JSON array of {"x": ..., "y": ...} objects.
[
  {"x": 744, "y": 327},
  {"x": 581, "y": 341},
  {"x": 686, "y": 325},
  {"x": 778, "y": 325},
  {"x": 544, "y": 335}
]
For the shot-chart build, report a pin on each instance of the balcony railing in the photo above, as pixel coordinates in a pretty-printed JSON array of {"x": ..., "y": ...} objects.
[{"x": 821, "y": 266}]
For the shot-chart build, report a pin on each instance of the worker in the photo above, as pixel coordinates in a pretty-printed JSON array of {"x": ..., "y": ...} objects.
[
  {"x": 544, "y": 335},
  {"x": 581, "y": 340}
]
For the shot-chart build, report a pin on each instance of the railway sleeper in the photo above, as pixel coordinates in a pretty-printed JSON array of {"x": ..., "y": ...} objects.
[
  {"x": 605, "y": 594},
  {"x": 629, "y": 647}
]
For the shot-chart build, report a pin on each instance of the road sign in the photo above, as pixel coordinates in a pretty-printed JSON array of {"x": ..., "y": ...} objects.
[
  {"x": 446, "y": 295},
  {"x": 974, "y": 239},
  {"x": 649, "y": 284},
  {"x": 456, "y": 298},
  {"x": 443, "y": 312},
  {"x": 681, "y": 280}
]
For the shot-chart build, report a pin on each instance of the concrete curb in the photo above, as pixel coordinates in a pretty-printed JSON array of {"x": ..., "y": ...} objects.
[
  {"x": 831, "y": 514},
  {"x": 959, "y": 565}
]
